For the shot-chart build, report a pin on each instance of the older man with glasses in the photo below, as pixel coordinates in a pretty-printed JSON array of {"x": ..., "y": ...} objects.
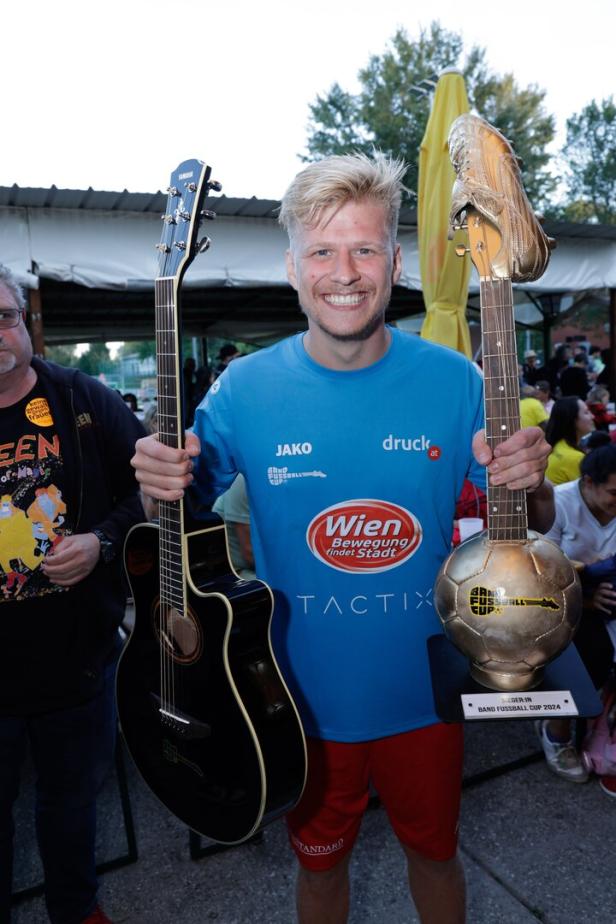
[{"x": 68, "y": 497}]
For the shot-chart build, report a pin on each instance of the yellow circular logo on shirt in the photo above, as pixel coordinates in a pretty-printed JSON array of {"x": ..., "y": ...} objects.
[{"x": 37, "y": 412}]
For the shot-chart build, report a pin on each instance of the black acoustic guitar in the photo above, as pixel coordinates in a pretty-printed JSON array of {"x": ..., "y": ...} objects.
[{"x": 205, "y": 712}]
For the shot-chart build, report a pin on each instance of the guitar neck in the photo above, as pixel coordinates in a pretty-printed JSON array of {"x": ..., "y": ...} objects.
[
  {"x": 170, "y": 433},
  {"x": 507, "y": 514}
]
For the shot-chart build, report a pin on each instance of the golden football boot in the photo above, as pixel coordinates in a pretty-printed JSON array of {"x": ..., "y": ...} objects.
[{"x": 489, "y": 180}]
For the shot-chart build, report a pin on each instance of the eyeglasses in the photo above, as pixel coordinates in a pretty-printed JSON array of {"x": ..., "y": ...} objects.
[{"x": 9, "y": 317}]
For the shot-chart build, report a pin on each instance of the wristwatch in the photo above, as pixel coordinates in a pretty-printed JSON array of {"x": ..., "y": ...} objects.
[{"x": 108, "y": 549}]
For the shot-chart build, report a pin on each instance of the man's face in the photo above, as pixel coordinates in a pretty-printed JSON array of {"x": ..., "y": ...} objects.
[
  {"x": 602, "y": 497},
  {"x": 15, "y": 345},
  {"x": 343, "y": 270}
]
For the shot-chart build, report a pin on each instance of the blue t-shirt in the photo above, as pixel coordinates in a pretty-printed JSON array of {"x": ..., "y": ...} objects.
[{"x": 352, "y": 483}]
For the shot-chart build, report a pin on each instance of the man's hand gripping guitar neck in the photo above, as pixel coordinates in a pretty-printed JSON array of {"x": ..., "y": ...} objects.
[{"x": 164, "y": 472}]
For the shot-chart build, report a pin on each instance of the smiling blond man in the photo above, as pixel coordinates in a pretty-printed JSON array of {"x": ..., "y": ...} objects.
[{"x": 350, "y": 528}]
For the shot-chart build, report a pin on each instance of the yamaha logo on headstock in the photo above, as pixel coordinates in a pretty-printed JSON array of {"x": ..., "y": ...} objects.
[{"x": 189, "y": 185}]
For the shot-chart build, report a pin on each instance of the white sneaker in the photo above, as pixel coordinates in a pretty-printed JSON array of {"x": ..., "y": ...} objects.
[{"x": 561, "y": 757}]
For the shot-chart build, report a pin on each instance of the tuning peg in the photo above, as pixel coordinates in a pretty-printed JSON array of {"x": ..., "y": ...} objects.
[
  {"x": 454, "y": 228},
  {"x": 461, "y": 250},
  {"x": 215, "y": 185},
  {"x": 209, "y": 214},
  {"x": 172, "y": 191},
  {"x": 163, "y": 248},
  {"x": 185, "y": 216},
  {"x": 169, "y": 219},
  {"x": 203, "y": 245},
  {"x": 181, "y": 245}
]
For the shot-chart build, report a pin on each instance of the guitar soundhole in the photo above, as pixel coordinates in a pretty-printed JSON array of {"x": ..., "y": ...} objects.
[{"x": 178, "y": 633}]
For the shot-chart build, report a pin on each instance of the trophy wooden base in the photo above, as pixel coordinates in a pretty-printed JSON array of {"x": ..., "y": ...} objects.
[{"x": 451, "y": 680}]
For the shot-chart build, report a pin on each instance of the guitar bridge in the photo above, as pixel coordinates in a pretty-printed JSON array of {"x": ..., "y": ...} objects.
[{"x": 181, "y": 723}]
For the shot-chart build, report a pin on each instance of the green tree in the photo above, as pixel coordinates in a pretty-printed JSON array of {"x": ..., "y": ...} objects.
[
  {"x": 143, "y": 348},
  {"x": 63, "y": 354},
  {"x": 590, "y": 158},
  {"x": 389, "y": 112},
  {"x": 95, "y": 360}
]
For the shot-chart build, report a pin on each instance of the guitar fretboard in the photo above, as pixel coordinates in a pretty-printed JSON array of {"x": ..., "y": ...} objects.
[
  {"x": 170, "y": 433},
  {"x": 507, "y": 515}
]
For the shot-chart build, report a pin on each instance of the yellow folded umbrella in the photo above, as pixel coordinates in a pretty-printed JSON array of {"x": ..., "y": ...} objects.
[{"x": 444, "y": 275}]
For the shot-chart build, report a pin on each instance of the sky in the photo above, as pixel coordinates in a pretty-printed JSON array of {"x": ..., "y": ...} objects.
[{"x": 115, "y": 95}]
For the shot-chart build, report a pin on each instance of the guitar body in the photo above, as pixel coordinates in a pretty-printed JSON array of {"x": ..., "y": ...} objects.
[
  {"x": 203, "y": 707},
  {"x": 215, "y": 733}
]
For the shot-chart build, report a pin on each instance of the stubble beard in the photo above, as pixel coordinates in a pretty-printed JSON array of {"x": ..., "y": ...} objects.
[
  {"x": 357, "y": 336},
  {"x": 8, "y": 361}
]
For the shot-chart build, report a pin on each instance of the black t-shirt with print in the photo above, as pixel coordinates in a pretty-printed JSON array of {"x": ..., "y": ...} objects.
[
  {"x": 37, "y": 617},
  {"x": 33, "y": 511}
]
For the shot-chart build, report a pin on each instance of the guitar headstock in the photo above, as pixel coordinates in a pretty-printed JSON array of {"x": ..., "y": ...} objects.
[
  {"x": 189, "y": 185},
  {"x": 505, "y": 237}
]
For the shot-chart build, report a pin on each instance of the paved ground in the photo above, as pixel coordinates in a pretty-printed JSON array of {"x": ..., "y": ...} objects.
[{"x": 535, "y": 848}]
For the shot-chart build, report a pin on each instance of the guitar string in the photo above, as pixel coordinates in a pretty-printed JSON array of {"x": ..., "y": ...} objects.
[
  {"x": 171, "y": 537},
  {"x": 167, "y": 326},
  {"x": 516, "y": 499},
  {"x": 175, "y": 605},
  {"x": 497, "y": 300},
  {"x": 509, "y": 380},
  {"x": 161, "y": 599},
  {"x": 167, "y": 391},
  {"x": 161, "y": 513},
  {"x": 162, "y": 352},
  {"x": 167, "y": 613}
]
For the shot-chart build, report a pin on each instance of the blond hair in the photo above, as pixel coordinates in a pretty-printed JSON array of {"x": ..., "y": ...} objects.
[{"x": 328, "y": 184}]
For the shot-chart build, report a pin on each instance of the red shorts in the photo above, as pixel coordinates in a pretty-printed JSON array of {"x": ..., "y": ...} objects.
[{"x": 418, "y": 778}]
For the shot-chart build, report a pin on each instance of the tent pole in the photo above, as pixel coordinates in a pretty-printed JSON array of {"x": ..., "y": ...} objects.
[
  {"x": 612, "y": 364},
  {"x": 36, "y": 322},
  {"x": 547, "y": 338}
]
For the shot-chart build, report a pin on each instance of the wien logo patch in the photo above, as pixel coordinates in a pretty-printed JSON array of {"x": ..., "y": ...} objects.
[{"x": 364, "y": 536}]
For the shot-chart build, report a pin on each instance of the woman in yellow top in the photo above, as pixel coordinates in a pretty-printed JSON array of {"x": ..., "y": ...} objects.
[{"x": 569, "y": 421}]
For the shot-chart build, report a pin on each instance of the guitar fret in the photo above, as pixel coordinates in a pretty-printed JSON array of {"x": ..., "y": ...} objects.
[
  {"x": 172, "y": 587},
  {"x": 169, "y": 426},
  {"x": 507, "y": 511}
]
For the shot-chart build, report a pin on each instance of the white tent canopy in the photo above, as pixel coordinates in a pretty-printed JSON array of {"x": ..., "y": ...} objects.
[
  {"x": 116, "y": 250},
  {"x": 92, "y": 255}
]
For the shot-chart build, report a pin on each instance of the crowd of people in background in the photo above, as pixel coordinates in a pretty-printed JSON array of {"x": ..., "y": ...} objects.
[{"x": 569, "y": 397}]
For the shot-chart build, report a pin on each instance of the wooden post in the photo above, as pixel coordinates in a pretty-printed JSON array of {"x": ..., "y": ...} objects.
[
  {"x": 547, "y": 338},
  {"x": 612, "y": 363},
  {"x": 36, "y": 322}
]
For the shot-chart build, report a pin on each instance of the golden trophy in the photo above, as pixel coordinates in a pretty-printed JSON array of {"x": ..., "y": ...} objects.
[{"x": 508, "y": 599}]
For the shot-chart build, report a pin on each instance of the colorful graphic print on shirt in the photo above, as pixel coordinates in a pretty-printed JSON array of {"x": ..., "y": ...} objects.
[{"x": 33, "y": 512}]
